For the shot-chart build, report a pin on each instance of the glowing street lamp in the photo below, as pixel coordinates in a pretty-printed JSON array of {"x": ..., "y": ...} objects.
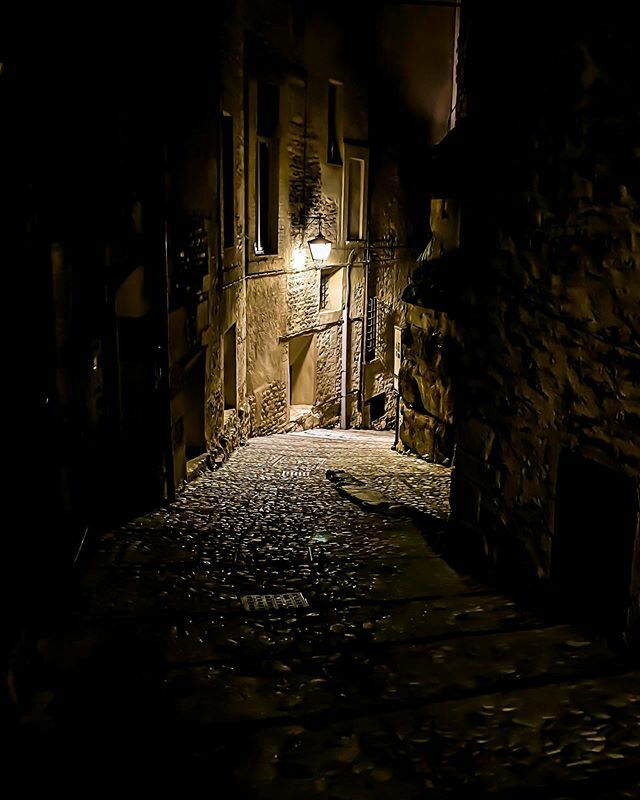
[{"x": 320, "y": 246}]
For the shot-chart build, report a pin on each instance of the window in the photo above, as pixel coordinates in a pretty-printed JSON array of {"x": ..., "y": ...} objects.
[
  {"x": 263, "y": 225},
  {"x": 371, "y": 333},
  {"x": 228, "y": 210},
  {"x": 302, "y": 370},
  {"x": 266, "y": 239},
  {"x": 229, "y": 368},
  {"x": 324, "y": 292},
  {"x": 355, "y": 200},
  {"x": 354, "y": 192},
  {"x": 331, "y": 290},
  {"x": 377, "y": 407},
  {"x": 333, "y": 143}
]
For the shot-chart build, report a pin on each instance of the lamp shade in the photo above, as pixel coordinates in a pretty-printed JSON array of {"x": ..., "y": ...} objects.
[{"x": 320, "y": 248}]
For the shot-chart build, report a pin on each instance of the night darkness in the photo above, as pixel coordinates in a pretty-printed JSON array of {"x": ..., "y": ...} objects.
[{"x": 323, "y": 324}]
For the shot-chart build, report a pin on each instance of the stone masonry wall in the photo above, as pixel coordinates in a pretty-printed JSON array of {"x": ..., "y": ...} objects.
[
  {"x": 269, "y": 407},
  {"x": 329, "y": 350},
  {"x": 303, "y": 292},
  {"x": 543, "y": 305},
  {"x": 430, "y": 345},
  {"x": 284, "y": 296}
]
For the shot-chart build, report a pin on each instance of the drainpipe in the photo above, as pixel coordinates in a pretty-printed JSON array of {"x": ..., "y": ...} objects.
[
  {"x": 365, "y": 309},
  {"x": 345, "y": 348},
  {"x": 397, "y": 426},
  {"x": 344, "y": 379}
]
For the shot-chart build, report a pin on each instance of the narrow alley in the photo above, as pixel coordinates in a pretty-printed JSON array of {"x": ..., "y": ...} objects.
[
  {"x": 324, "y": 412},
  {"x": 401, "y": 678}
]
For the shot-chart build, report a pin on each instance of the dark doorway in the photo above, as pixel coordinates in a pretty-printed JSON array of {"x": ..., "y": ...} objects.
[
  {"x": 229, "y": 369},
  {"x": 302, "y": 371},
  {"x": 377, "y": 407},
  {"x": 194, "y": 407},
  {"x": 595, "y": 527}
]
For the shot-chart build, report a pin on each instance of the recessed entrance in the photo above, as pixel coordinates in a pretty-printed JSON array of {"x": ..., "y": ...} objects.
[
  {"x": 302, "y": 372},
  {"x": 229, "y": 368},
  {"x": 595, "y": 527},
  {"x": 377, "y": 406},
  {"x": 194, "y": 407}
]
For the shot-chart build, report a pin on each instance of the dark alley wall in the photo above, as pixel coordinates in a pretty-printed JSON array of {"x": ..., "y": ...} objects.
[
  {"x": 533, "y": 290},
  {"x": 84, "y": 181},
  {"x": 93, "y": 219}
]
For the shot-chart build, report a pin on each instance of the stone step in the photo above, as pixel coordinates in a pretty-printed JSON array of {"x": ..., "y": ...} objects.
[
  {"x": 219, "y": 637},
  {"x": 315, "y": 684},
  {"x": 533, "y": 737},
  {"x": 332, "y": 630},
  {"x": 523, "y": 743}
]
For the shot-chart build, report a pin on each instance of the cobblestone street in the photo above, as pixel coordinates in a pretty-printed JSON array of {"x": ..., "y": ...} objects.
[{"x": 401, "y": 679}]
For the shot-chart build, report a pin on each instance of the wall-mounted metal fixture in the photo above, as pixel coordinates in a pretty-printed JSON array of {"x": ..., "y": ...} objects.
[{"x": 319, "y": 246}]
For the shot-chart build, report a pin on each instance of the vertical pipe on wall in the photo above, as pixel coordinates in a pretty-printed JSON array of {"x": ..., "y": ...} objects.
[
  {"x": 363, "y": 338},
  {"x": 396, "y": 437},
  {"x": 345, "y": 348}
]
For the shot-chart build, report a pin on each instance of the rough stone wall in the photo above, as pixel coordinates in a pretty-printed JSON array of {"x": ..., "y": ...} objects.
[
  {"x": 303, "y": 292},
  {"x": 283, "y": 297},
  {"x": 266, "y": 354},
  {"x": 193, "y": 237},
  {"x": 541, "y": 309},
  {"x": 425, "y": 386},
  {"x": 384, "y": 384},
  {"x": 429, "y": 352},
  {"x": 329, "y": 350},
  {"x": 226, "y": 430},
  {"x": 269, "y": 407}
]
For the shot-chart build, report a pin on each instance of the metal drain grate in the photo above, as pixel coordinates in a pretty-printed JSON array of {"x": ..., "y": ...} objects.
[{"x": 272, "y": 602}]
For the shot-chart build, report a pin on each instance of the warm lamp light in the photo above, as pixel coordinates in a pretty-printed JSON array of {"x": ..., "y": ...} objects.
[
  {"x": 298, "y": 259},
  {"x": 320, "y": 246}
]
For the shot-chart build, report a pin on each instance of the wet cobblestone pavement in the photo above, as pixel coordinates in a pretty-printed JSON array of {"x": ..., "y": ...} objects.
[{"x": 402, "y": 679}]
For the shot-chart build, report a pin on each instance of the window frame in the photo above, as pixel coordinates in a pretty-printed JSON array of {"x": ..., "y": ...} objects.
[{"x": 355, "y": 152}]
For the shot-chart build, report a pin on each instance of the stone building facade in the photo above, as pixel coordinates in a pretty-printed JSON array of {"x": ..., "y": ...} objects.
[
  {"x": 274, "y": 144},
  {"x": 288, "y": 343},
  {"x": 523, "y": 349}
]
